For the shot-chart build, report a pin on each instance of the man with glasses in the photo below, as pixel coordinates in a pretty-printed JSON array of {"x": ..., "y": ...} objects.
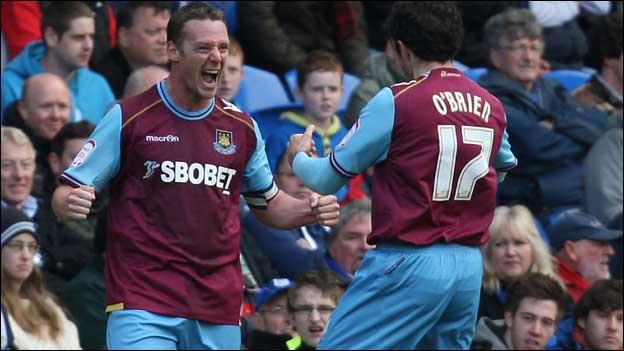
[
  {"x": 311, "y": 302},
  {"x": 272, "y": 325},
  {"x": 550, "y": 132}
]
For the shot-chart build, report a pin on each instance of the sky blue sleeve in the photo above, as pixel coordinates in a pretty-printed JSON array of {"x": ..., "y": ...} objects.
[
  {"x": 366, "y": 144},
  {"x": 368, "y": 141},
  {"x": 99, "y": 159},
  {"x": 317, "y": 174},
  {"x": 257, "y": 176},
  {"x": 505, "y": 159}
]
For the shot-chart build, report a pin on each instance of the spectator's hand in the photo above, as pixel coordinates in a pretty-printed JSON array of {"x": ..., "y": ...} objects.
[
  {"x": 78, "y": 203},
  {"x": 301, "y": 142},
  {"x": 303, "y": 244},
  {"x": 325, "y": 208},
  {"x": 547, "y": 123}
]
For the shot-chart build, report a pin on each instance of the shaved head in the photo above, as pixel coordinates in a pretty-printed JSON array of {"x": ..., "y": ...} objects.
[
  {"x": 40, "y": 82},
  {"x": 142, "y": 79},
  {"x": 45, "y": 105}
]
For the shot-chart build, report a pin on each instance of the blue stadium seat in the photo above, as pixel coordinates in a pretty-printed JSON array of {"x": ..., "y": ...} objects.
[
  {"x": 260, "y": 90},
  {"x": 542, "y": 232},
  {"x": 475, "y": 73},
  {"x": 460, "y": 66},
  {"x": 267, "y": 119},
  {"x": 570, "y": 79},
  {"x": 350, "y": 82}
]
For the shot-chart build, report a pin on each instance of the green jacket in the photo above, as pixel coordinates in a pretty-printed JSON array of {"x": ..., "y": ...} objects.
[{"x": 84, "y": 297}]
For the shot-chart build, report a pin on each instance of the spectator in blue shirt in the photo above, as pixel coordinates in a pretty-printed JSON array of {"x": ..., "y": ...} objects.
[{"x": 67, "y": 46}]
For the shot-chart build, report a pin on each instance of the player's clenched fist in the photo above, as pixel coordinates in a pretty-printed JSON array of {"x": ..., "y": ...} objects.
[
  {"x": 325, "y": 208},
  {"x": 73, "y": 203}
]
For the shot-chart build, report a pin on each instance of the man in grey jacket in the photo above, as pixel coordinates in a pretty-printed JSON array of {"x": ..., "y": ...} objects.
[{"x": 534, "y": 305}]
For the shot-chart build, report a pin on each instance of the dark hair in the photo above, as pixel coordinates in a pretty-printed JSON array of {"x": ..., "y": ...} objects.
[
  {"x": 194, "y": 11},
  {"x": 125, "y": 14},
  {"x": 604, "y": 295},
  {"x": 538, "y": 286},
  {"x": 59, "y": 14},
  {"x": 511, "y": 24},
  {"x": 317, "y": 60},
  {"x": 353, "y": 209},
  {"x": 605, "y": 39},
  {"x": 433, "y": 31},
  {"x": 326, "y": 281},
  {"x": 76, "y": 130}
]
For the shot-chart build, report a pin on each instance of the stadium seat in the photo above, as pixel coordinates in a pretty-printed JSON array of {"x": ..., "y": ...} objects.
[
  {"x": 460, "y": 66},
  {"x": 350, "y": 82},
  {"x": 475, "y": 73},
  {"x": 569, "y": 79},
  {"x": 260, "y": 90},
  {"x": 267, "y": 119},
  {"x": 542, "y": 231}
]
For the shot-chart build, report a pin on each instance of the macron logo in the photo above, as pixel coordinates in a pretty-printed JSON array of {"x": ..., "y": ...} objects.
[{"x": 163, "y": 139}]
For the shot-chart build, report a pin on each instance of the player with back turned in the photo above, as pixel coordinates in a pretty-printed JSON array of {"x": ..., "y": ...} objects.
[{"x": 437, "y": 143}]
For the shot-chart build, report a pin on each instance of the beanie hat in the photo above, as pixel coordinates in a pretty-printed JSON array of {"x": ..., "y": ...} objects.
[{"x": 15, "y": 222}]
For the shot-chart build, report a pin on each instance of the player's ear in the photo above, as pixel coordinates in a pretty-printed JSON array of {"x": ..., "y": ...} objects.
[{"x": 173, "y": 52}]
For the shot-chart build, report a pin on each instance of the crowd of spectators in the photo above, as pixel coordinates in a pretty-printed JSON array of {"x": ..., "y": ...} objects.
[{"x": 552, "y": 267}]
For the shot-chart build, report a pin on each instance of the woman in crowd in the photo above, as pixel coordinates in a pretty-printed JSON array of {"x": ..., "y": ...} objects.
[
  {"x": 35, "y": 320},
  {"x": 514, "y": 249}
]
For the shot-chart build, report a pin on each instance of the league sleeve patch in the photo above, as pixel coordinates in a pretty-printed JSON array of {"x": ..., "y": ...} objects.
[
  {"x": 84, "y": 153},
  {"x": 352, "y": 131}
]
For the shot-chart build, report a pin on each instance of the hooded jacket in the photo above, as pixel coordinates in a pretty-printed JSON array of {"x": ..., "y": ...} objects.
[
  {"x": 489, "y": 335},
  {"x": 91, "y": 94}
]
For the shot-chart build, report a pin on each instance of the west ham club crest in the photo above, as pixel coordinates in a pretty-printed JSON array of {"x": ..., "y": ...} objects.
[{"x": 224, "y": 143}]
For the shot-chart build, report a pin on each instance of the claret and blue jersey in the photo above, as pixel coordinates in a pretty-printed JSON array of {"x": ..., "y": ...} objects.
[
  {"x": 437, "y": 143},
  {"x": 175, "y": 180}
]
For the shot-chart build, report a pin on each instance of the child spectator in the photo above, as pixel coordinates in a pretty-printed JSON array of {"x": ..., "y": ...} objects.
[
  {"x": 319, "y": 80},
  {"x": 311, "y": 302},
  {"x": 232, "y": 72}
]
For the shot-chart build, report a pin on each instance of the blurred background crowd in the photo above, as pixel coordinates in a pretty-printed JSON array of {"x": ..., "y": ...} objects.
[{"x": 555, "y": 65}]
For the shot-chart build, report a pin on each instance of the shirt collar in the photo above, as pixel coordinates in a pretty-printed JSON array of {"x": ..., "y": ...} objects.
[{"x": 29, "y": 206}]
